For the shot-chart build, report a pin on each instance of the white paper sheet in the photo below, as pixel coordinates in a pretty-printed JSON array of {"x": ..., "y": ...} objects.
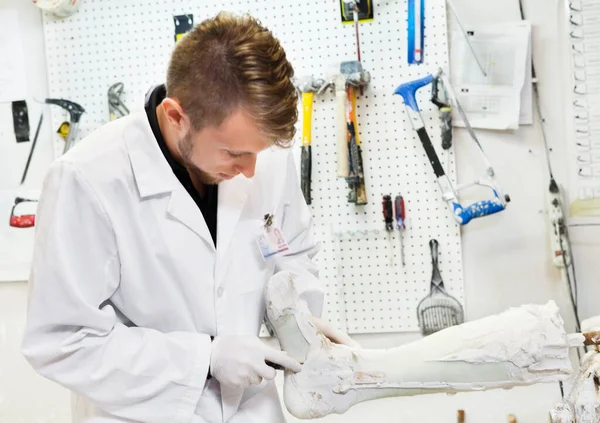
[
  {"x": 493, "y": 101},
  {"x": 12, "y": 69}
]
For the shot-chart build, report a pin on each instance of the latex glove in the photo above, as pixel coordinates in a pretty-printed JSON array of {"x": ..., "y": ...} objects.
[
  {"x": 334, "y": 335},
  {"x": 240, "y": 360}
]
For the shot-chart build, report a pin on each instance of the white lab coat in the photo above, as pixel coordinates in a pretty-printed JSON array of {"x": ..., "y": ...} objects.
[{"x": 126, "y": 284}]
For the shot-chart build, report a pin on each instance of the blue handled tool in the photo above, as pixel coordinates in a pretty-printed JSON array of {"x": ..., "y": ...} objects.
[{"x": 463, "y": 215}]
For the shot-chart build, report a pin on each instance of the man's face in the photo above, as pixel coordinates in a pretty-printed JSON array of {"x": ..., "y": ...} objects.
[{"x": 214, "y": 154}]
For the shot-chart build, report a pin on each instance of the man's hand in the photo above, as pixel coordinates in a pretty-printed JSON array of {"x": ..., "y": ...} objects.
[
  {"x": 240, "y": 360},
  {"x": 334, "y": 334}
]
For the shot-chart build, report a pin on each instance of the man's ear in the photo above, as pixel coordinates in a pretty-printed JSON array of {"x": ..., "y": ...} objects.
[{"x": 175, "y": 115}]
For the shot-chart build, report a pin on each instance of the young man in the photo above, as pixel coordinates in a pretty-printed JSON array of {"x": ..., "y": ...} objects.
[{"x": 147, "y": 284}]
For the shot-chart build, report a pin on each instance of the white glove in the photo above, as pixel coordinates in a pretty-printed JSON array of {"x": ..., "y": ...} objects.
[{"x": 240, "y": 360}]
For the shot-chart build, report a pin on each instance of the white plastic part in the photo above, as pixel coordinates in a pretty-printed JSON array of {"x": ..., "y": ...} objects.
[
  {"x": 521, "y": 346},
  {"x": 556, "y": 224},
  {"x": 59, "y": 8}
]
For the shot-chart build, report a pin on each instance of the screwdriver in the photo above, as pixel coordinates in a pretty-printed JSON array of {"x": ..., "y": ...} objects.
[
  {"x": 400, "y": 222},
  {"x": 388, "y": 217}
]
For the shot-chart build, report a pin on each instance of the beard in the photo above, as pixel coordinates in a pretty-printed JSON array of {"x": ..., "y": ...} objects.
[{"x": 185, "y": 150}]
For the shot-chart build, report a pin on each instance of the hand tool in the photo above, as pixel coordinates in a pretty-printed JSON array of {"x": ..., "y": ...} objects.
[
  {"x": 27, "y": 220},
  {"x": 388, "y": 218},
  {"x": 116, "y": 107},
  {"x": 400, "y": 214},
  {"x": 183, "y": 24},
  {"x": 462, "y": 215},
  {"x": 512, "y": 418},
  {"x": 307, "y": 87},
  {"x": 460, "y": 416},
  {"x": 445, "y": 111},
  {"x": 75, "y": 113},
  {"x": 415, "y": 28},
  {"x": 356, "y": 181},
  {"x": 438, "y": 310},
  {"x": 338, "y": 81},
  {"x": 20, "y": 120}
]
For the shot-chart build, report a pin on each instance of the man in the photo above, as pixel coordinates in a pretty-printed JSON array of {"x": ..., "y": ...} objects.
[{"x": 147, "y": 284}]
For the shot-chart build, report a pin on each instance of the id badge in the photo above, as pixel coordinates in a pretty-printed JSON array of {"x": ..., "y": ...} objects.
[{"x": 271, "y": 241}]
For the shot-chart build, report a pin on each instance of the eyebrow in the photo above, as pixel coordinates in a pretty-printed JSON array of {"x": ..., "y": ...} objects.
[{"x": 239, "y": 153}]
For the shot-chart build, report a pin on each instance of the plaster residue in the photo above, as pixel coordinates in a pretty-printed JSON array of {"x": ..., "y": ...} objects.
[{"x": 530, "y": 340}]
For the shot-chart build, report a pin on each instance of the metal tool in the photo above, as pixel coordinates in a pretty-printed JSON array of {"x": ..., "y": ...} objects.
[
  {"x": 356, "y": 179},
  {"x": 116, "y": 107},
  {"x": 307, "y": 88},
  {"x": 388, "y": 218},
  {"x": 445, "y": 111},
  {"x": 75, "y": 113},
  {"x": 400, "y": 214},
  {"x": 415, "y": 29},
  {"x": 462, "y": 215},
  {"x": 26, "y": 220},
  {"x": 438, "y": 310},
  {"x": 351, "y": 73}
]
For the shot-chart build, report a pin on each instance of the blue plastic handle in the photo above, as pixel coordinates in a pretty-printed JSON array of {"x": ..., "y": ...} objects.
[
  {"x": 408, "y": 90},
  {"x": 478, "y": 209}
]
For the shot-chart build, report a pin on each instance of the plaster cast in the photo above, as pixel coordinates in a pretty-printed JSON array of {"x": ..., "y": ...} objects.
[{"x": 522, "y": 346}]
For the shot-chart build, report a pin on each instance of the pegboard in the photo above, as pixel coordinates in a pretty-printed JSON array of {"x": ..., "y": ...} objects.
[{"x": 111, "y": 41}]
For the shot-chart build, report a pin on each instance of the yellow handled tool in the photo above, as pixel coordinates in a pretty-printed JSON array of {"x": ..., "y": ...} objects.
[{"x": 307, "y": 87}]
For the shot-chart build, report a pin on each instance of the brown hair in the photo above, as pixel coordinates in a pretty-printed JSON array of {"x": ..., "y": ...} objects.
[{"x": 227, "y": 62}]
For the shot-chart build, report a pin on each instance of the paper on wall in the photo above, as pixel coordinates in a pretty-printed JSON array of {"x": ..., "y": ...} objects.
[
  {"x": 12, "y": 69},
  {"x": 493, "y": 101}
]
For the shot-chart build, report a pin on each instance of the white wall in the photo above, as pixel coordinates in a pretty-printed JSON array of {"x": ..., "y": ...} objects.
[{"x": 506, "y": 256}]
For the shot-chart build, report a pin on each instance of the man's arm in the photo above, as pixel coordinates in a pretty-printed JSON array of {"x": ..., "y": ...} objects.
[
  {"x": 75, "y": 338},
  {"x": 297, "y": 227}
]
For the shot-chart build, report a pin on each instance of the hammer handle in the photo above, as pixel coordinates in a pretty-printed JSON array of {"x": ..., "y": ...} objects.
[
  {"x": 341, "y": 132},
  {"x": 307, "y": 100}
]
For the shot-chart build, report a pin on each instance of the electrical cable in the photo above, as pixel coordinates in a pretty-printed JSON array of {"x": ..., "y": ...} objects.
[{"x": 553, "y": 188}]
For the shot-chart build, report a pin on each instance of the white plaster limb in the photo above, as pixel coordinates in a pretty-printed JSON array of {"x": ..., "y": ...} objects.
[
  {"x": 582, "y": 404},
  {"x": 522, "y": 346}
]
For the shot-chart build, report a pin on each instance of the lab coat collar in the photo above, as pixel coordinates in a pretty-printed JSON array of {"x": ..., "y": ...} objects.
[
  {"x": 154, "y": 176},
  {"x": 151, "y": 172}
]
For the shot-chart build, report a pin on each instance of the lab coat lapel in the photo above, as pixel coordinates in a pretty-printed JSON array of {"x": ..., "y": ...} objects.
[
  {"x": 183, "y": 208},
  {"x": 154, "y": 176},
  {"x": 232, "y": 198}
]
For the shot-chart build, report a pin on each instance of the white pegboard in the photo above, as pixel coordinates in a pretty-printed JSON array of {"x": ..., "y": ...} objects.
[{"x": 111, "y": 41}]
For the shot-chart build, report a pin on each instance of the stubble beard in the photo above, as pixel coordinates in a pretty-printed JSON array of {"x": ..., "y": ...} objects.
[{"x": 185, "y": 150}]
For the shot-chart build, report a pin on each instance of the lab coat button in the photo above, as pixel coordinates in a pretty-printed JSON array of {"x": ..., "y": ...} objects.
[{"x": 220, "y": 292}]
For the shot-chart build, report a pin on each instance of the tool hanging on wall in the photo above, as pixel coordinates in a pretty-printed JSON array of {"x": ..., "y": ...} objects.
[
  {"x": 438, "y": 310},
  {"x": 445, "y": 111},
  {"x": 116, "y": 107},
  {"x": 400, "y": 213},
  {"x": 183, "y": 24},
  {"x": 462, "y": 215},
  {"x": 25, "y": 220},
  {"x": 388, "y": 218},
  {"x": 307, "y": 88},
  {"x": 357, "y": 11},
  {"x": 75, "y": 112},
  {"x": 356, "y": 179},
  {"x": 415, "y": 35},
  {"x": 20, "y": 120},
  {"x": 351, "y": 73}
]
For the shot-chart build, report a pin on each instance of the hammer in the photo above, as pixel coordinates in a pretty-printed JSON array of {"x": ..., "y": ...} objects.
[
  {"x": 307, "y": 86},
  {"x": 351, "y": 73}
]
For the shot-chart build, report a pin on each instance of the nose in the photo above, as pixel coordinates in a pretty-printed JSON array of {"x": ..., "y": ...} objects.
[{"x": 246, "y": 166}]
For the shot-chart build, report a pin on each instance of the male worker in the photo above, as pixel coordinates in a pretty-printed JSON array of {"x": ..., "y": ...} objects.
[{"x": 147, "y": 284}]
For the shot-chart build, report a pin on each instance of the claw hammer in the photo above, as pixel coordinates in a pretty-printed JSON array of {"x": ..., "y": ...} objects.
[{"x": 307, "y": 86}]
